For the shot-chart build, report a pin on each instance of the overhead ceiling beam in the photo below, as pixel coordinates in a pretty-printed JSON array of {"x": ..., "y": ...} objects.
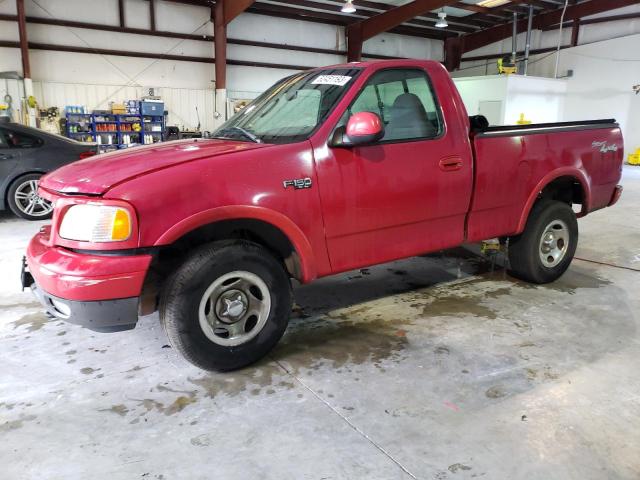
[
  {"x": 363, "y": 30},
  {"x": 472, "y": 7},
  {"x": 392, "y": 18},
  {"x": 283, "y": 11},
  {"x": 589, "y": 21},
  {"x": 466, "y": 28},
  {"x": 368, "y": 8},
  {"x": 491, "y": 35},
  {"x": 519, "y": 6}
]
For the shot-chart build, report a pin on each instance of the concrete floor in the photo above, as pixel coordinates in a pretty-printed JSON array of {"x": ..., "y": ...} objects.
[{"x": 431, "y": 368}]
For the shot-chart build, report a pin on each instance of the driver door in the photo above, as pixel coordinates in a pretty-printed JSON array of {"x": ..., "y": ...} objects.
[{"x": 404, "y": 195}]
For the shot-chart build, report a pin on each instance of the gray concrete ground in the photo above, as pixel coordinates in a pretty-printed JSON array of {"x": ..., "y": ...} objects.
[{"x": 431, "y": 368}]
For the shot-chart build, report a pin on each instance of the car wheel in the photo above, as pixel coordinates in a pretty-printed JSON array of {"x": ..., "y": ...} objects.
[
  {"x": 543, "y": 252},
  {"x": 227, "y": 305},
  {"x": 24, "y": 201}
]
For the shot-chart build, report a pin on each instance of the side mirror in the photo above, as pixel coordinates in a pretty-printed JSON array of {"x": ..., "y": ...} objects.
[{"x": 363, "y": 128}]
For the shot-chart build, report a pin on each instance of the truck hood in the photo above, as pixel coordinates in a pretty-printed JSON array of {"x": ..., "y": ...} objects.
[{"x": 96, "y": 175}]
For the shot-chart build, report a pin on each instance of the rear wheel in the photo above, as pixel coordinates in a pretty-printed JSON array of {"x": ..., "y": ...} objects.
[
  {"x": 543, "y": 252},
  {"x": 227, "y": 305},
  {"x": 24, "y": 201}
]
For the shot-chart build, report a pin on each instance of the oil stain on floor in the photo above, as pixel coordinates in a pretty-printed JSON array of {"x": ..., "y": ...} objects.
[{"x": 33, "y": 321}]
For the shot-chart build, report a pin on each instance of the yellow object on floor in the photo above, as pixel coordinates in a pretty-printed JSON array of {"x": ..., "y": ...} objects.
[{"x": 634, "y": 158}]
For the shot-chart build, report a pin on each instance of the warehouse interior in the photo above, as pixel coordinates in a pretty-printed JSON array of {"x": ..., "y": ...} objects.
[{"x": 441, "y": 365}]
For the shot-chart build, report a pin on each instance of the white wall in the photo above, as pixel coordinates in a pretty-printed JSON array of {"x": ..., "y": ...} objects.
[
  {"x": 601, "y": 86},
  {"x": 475, "y": 90},
  {"x": 540, "y": 100},
  {"x": 605, "y": 64},
  {"x": 243, "y": 82}
]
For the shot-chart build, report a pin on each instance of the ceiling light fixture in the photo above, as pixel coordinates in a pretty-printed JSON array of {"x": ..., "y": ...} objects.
[
  {"x": 442, "y": 20},
  {"x": 492, "y": 3},
  {"x": 348, "y": 7}
]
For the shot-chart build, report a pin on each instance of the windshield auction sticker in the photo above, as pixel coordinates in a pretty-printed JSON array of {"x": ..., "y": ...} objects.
[{"x": 339, "y": 80}]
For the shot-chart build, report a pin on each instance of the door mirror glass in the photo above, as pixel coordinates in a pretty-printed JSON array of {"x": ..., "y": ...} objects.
[{"x": 363, "y": 128}]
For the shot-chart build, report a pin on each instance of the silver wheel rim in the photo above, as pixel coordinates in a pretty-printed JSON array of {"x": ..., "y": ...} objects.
[
  {"x": 28, "y": 201},
  {"x": 235, "y": 308},
  {"x": 554, "y": 243}
]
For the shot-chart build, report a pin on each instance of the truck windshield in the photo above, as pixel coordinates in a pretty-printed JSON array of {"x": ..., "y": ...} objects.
[{"x": 292, "y": 109}]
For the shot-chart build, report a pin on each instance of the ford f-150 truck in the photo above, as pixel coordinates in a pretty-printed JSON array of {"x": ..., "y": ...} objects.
[{"x": 329, "y": 170}]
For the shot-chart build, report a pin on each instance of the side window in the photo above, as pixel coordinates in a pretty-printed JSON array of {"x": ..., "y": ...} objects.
[
  {"x": 367, "y": 101},
  {"x": 405, "y": 101},
  {"x": 21, "y": 140}
]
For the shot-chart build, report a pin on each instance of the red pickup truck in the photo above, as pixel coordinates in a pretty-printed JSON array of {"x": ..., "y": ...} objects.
[{"x": 329, "y": 170}]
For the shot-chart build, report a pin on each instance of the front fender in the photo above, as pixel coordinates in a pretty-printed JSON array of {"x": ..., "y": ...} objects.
[{"x": 238, "y": 212}]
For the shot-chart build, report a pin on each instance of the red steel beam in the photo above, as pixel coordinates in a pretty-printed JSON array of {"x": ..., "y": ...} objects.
[
  {"x": 233, "y": 8},
  {"x": 220, "y": 45},
  {"x": 224, "y": 12},
  {"x": 121, "y": 12},
  {"x": 152, "y": 14},
  {"x": 24, "y": 42},
  {"x": 575, "y": 32},
  {"x": 480, "y": 39}
]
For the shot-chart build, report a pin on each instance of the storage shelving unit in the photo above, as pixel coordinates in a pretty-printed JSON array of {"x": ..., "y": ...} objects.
[{"x": 115, "y": 131}]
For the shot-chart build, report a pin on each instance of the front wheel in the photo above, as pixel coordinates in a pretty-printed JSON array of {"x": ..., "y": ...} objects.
[
  {"x": 24, "y": 201},
  {"x": 227, "y": 305},
  {"x": 543, "y": 252}
]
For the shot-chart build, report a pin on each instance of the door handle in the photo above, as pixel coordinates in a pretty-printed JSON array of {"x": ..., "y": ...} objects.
[
  {"x": 5, "y": 156},
  {"x": 450, "y": 164}
]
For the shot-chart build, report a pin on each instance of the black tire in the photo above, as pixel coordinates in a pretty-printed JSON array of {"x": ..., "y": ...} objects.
[
  {"x": 19, "y": 206},
  {"x": 186, "y": 287},
  {"x": 525, "y": 250}
]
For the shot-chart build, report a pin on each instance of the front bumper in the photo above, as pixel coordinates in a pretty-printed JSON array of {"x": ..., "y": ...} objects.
[
  {"x": 100, "y": 316},
  {"x": 82, "y": 276},
  {"x": 100, "y": 292}
]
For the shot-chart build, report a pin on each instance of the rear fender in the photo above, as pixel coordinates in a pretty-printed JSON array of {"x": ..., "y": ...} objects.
[
  {"x": 237, "y": 212},
  {"x": 546, "y": 180}
]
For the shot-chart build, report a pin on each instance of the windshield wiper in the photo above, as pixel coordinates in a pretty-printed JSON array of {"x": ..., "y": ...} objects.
[{"x": 245, "y": 133}]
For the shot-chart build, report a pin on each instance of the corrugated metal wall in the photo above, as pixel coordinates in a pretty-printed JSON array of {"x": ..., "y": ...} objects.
[{"x": 181, "y": 103}]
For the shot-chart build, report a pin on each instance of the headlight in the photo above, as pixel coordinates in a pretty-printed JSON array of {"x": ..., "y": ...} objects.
[{"x": 96, "y": 223}]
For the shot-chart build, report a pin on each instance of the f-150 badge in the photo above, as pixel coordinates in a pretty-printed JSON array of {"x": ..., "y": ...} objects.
[{"x": 298, "y": 183}]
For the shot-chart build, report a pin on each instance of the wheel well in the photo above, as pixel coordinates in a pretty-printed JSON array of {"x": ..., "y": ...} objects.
[
  {"x": 257, "y": 231},
  {"x": 564, "y": 189},
  {"x": 171, "y": 256}
]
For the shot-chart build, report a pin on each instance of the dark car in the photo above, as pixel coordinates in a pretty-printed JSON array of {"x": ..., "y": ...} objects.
[{"x": 25, "y": 155}]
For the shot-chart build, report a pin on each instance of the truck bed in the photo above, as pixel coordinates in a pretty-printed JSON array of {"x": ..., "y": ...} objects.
[{"x": 514, "y": 162}]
